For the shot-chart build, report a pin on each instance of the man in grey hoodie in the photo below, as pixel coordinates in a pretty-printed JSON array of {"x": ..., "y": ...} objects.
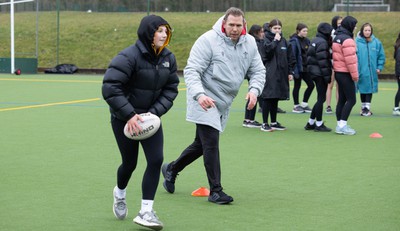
[{"x": 218, "y": 63}]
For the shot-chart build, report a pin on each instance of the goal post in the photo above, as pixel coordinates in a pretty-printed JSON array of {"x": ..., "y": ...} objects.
[{"x": 26, "y": 65}]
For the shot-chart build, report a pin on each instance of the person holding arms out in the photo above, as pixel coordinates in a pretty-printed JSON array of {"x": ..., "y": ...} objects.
[
  {"x": 218, "y": 63},
  {"x": 142, "y": 78}
]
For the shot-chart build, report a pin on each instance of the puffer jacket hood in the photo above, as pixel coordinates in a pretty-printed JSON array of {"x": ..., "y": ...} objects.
[
  {"x": 148, "y": 26},
  {"x": 349, "y": 23},
  {"x": 325, "y": 29}
]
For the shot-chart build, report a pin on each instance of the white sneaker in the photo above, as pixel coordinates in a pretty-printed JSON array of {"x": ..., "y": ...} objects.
[
  {"x": 119, "y": 207},
  {"x": 396, "y": 112},
  {"x": 346, "y": 130},
  {"x": 149, "y": 220}
]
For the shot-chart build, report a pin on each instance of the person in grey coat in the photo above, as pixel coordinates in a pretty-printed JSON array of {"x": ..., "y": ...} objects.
[{"x": 218, "y": 63}]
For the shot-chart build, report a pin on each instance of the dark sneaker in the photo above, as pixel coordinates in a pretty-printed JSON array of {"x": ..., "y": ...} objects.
[
  {"x": 219, "y": 198},
  {"x": 278, "y": 127},
  {"x": 280, "y": 110},
  {"x": 169, "y": 177},
  {"x": 365, "y": 112},
  {"x": 251, "y": 124},
  {"x": 328, "y": 110},
  {"x": 266, "y": 128},
  {"x": 309, "y": 126},
  {"x": 322, "y": 128},
  {"x": 298, "y": 109},
  {"x": 307, "y": 109}
]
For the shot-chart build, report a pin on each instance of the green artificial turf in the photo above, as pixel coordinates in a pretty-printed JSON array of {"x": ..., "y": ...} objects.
[{"x": 58, "y": 161}]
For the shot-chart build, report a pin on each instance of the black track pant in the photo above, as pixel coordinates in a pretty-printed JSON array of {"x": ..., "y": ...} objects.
[
  {"x": 397, "y": 97},
  {"x": 366, "y": 98},
  {"x": 206, "y": 144},
  {"x": 318, "y": 107},
  {"x": 297, "y": 84},
  {"x": 129, "y": 149},
  {"x": 251, "y": 114},
  {"x": 347, "y": 95},
  {"x": 270, "y": 107}
]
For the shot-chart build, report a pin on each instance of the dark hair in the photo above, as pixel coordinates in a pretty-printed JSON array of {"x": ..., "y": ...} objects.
[
  {"x": 274, "y": 22},
  {"x": 255, "y": 30},
  {"x": 266, "y": 26},
  {"x": 300, "y": 26},
  {"x": 233, "y": 11},
  {"x": 397, "y": 45},
  {"x": 334, "y": 21},
  {"x": 362, "y": 29}
]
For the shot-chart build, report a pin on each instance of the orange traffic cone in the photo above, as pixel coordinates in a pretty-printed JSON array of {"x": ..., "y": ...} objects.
[
  {"x": 201, "y": 192},
  {"x": 375, "y": 135}
]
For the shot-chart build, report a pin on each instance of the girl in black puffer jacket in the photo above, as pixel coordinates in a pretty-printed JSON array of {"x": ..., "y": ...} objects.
[
  {"x": 142, "y": 78},
  {"x": 319, "y": 67}
]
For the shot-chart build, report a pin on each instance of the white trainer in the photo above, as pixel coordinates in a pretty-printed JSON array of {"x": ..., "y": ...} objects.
[
  {"x": 149, "y": 220},
  {"x": 119, "y": 207}
]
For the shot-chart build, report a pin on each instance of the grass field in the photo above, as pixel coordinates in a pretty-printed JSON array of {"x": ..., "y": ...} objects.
[
  {"x": 58, "y": 161},
  {"x": 92, "y": 40}
]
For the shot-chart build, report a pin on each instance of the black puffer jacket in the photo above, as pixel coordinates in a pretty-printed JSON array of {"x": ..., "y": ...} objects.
[
  {"x": 318, "y": 56},
  {"x": 138, "y": 79}
]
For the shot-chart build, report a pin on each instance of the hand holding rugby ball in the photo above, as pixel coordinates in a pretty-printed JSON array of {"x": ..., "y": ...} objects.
[{"x": 150, "y": 125}]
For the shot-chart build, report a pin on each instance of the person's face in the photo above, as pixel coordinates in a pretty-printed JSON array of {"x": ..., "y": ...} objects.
[
  {"x": 160, "y": 36},
  {"x": 261, "y": 34},
  {"x": 233, "y": 27},
  {"x": 367, "y": 31},
  {"x": 303, "y": 32},
  {"x": 339, "y": 22},
  {"x": 276, "y": 29}
]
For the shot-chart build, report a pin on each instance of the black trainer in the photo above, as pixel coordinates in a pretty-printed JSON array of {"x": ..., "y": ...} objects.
[
  {"x": 322, "y": 128},
  {"x": 309, "y": 126},
  {"x": 277, "y": 126},
  {"x": 169, "y": 178},
  {"x": 219, "y": 198}
]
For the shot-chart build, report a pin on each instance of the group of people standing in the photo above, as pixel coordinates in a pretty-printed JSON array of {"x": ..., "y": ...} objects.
[
  {"x": 143, "y": 78},
  {"x": 334, "y": 55}
]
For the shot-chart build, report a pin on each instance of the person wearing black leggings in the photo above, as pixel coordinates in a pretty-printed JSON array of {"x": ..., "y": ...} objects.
[
  {"x": 300, "y": 44},
  {"x": 346, "y": 73},
  {"x": 396, "y": 109},
  {"x": 319, "y": 67},
  {"x": 141, "y": 79}
]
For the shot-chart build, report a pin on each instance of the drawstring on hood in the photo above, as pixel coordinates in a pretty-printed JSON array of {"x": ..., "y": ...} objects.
[{"x": 147, "y": 28}]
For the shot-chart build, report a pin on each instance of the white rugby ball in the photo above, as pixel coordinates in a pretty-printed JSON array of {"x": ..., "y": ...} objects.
[{"x": 150, "y": 125}]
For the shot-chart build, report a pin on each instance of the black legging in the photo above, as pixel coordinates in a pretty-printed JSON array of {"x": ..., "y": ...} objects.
[
  {"x": 270, "y": 107},
  {"x": 397, "y": 98},
  {"x": 206, "y": 144},
  {"x": 366, "y": 98},
  {"x": 297, "y": 84},
  {"x": 318, "y": 107},
  {"x": 251, "y": 114},
  {"x": 129, "y": 149},
  {"x": 347, "y": 95}
]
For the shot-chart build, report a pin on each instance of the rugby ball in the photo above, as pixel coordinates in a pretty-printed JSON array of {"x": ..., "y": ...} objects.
[{"x": 150, "y": 125}]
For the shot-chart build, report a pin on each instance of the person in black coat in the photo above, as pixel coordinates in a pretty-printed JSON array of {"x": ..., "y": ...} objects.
[
  {"x": 396, "y": 56},
  {"x": 279, "y": 63},
  {"x": 319, "y": 66},
  {"x": 142, "y": 78}
]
